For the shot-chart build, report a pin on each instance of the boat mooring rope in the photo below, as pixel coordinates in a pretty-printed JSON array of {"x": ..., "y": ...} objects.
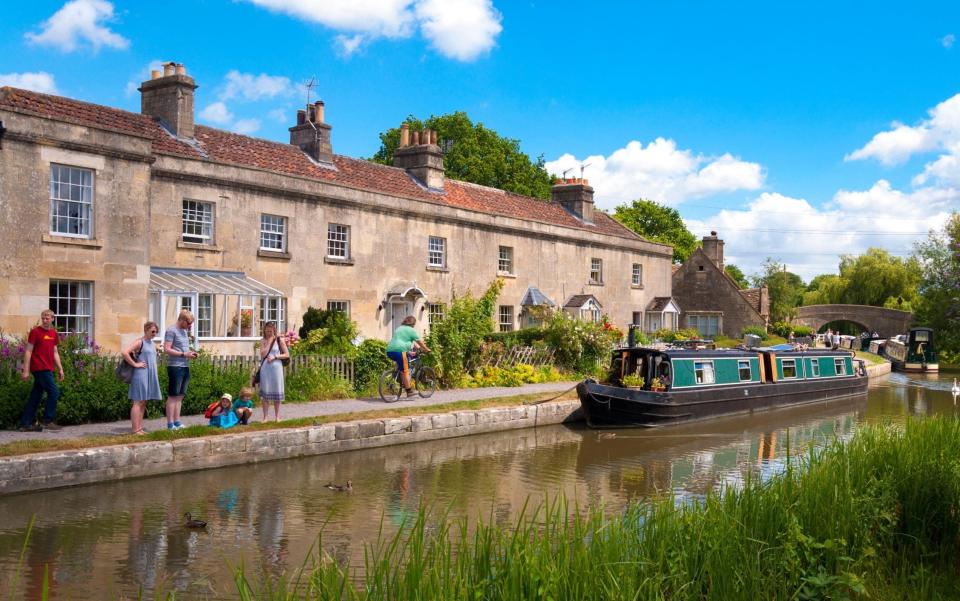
[{"x": 541, "y": 401}]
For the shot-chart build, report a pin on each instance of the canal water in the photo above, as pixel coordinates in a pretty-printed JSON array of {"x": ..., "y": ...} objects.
[{"x": 113, "y": 540}]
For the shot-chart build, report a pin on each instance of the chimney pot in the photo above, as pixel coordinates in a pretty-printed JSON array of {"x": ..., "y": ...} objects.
[
  {"x": 712, "y": 233},
  {"x": 320, "y": 111},
  {"x": 404, "y": 135},
  {"x": 416, "y": 138},
  {"x": 301, "y": 117},
  {"x": 180, "y": 69},
  {"x": 154, "y": 74},
  {"x": 419, "y": 157},
  {"x": 169, "y": 69},
  {"x": 433, "y": 137},
  {"x": 575, "y": 196}
]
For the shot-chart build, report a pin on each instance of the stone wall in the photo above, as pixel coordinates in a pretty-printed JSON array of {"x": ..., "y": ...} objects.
[{"x": 701, "y": 286}]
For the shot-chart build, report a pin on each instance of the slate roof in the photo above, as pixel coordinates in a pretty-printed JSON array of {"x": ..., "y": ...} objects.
[
  {"x": 578, "y": 300},
  {"x": 752, "y": 296},
  {"x": 534, "y": 298},
  {"x": 218, "y": 146},
  {"x": 659, "y": 303}
]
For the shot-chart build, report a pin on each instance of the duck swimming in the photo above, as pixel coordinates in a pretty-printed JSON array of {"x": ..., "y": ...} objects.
[
  {"x": 192, "y": 523},
  {"x": 348, "y": 487}
]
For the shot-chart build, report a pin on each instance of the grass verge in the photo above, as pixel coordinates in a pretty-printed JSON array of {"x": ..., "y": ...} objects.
[{"x": 24, "y": 447}]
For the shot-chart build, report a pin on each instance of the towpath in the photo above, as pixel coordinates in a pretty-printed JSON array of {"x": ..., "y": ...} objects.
[{"x": 297, "y": 410}]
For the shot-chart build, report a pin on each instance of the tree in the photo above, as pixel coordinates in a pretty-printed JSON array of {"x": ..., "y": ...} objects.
[
  {"x": 658, "y": 223},
  {"x": 476, "y": 154},
  {"x": 874, "y": 278},
  {"x": 734, "y": 272},
  {"x": 938, "y": 303},
  {"x": 785, "y": 288}
]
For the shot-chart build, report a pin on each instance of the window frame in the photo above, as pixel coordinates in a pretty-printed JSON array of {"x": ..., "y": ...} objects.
[
  {"x": 436, "y": 248},
  {"x": 749, "y": 368},
  {"x": 636, "y": 275},
  {"x": 281, "y": 222},
  {"x": 701, "y": 369},
  {"x": 205, "y": 316},
  {"x": 338, "y": 241},
  {"x": 840, "y": 366},
  {"x": 63, "y": 319},
  {"x": 596, "y": 270},
  {"x": 202, "y": 208},
  {"x": 505, "y": 260},
  {"x": 84, "y": 205},
  {"x": 505, "y": 320},
  {"x": 815, "y": 367},
  {"x": 435, "y": 312},
  {"x": 793, "y": 365},
  {"x": 339, "y": 305}
]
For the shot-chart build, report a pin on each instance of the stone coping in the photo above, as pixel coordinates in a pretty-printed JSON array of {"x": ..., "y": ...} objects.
[{"x": 57, "y": 469}]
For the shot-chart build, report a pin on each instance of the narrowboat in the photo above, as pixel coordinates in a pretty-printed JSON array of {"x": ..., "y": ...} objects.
[
  {"x": 915, "y": 352},
  {"x": 682, "y": 385}
]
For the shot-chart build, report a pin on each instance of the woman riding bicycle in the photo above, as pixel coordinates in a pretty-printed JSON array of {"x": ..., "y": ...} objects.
[{"x": 399, "y": 348}]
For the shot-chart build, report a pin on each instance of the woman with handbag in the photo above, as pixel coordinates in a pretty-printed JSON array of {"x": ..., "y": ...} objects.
[
  {"x": 144, "y": 384},
  {"x": 273, "y": 352}
]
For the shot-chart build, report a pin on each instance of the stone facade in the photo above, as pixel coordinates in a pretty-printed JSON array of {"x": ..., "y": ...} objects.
[
  {"x": 149, "y": 173},
  {"x": 710, "y": 300}
]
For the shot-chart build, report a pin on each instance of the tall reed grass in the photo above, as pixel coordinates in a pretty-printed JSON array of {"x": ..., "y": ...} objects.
[{"x": 878, "y": 517}]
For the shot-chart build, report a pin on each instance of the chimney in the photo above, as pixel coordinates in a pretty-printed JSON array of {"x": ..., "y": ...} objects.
[
  {"x": 420, "y": 156},
  {"x": 575, "y": 195},
  {"x": 713, "y": 248},
  {"x": 311, "y": 134},
  {"x": 169, "y": 98}
]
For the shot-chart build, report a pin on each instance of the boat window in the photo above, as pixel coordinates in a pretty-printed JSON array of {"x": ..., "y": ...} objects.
[
  {"x": 921, "y": 336},
  {"x": 746, "y": 374},
  {"x": 815, "y": 368},
  {"x": 704, "y": 372},
  {"x": 841, "y": 366},
  {"x": 789, "y": 368}
]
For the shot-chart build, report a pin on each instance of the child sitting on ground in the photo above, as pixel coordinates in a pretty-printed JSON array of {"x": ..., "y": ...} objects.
[
  {"x": 222, "y": 415},
  {"x": 243, "y": 406}
]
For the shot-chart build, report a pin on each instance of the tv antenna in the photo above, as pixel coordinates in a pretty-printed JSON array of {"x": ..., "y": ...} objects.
[
  {"x": 566, "y": 171},
  {"x": 582, "y": 167},
  {"x": 309, "y": 87}
]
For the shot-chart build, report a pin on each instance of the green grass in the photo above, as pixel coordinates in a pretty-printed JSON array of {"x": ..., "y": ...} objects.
[
  {"x": 23, "y": 447},
  {"x": 874, "y": 519}
]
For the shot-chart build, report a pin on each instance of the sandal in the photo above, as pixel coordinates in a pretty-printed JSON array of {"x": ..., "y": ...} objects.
[{"x": 140, "y": 432}]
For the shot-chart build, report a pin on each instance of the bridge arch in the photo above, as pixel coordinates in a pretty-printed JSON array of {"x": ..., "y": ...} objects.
[{"x": 886, "y": 322}]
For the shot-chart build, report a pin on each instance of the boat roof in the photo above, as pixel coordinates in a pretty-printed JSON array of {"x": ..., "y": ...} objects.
[{"x": 734, "y": 352}]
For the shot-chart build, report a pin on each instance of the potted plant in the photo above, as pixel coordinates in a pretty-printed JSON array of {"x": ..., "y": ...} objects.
[
  {"x": 245, "y": 319},
  {"x": 656, "y": 385},
  {"x": 633, "y": 381}
]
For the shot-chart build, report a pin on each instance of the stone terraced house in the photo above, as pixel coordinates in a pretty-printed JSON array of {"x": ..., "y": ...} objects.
[{"x": 113, "y": 218}]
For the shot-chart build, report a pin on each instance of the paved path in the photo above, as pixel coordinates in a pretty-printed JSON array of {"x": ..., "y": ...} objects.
[{"x": 295, "y": 410}]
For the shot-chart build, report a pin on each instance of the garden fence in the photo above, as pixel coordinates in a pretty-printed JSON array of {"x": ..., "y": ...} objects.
[{"x": 515, "y": 355}]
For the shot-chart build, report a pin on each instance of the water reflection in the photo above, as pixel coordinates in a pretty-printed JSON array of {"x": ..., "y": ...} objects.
[{"x": 115, "y": 539}]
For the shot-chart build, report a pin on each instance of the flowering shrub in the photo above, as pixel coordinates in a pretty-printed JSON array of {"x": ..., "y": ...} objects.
[
  {"x": 579, "y": 345},
  {"x": 511, "y": 376}
]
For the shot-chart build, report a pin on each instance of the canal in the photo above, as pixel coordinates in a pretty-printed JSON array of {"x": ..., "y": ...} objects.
[{"x": 112, "y": 540}]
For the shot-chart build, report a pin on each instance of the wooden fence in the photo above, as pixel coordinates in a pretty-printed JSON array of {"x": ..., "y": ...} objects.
[
  {"x": 338, "y": 365},
  {"x": 515, "y": 355}
]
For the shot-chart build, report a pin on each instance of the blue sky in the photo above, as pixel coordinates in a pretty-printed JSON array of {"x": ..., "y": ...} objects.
[{"x": 797, "y": 131}]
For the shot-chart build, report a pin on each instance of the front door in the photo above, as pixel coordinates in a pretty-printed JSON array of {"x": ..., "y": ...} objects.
[{"x": 398, "y": 311}]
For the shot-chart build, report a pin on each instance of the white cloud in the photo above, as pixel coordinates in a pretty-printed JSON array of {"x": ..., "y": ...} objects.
[
  {"x": 280, "y": 115},
  {"x": 77, "y": 23},
  {"x": 40, "y": 81},
  {"x": 659, "y": 171},
  {"x": 948, "y": 40},
  {"x": 251, "y": 87},
  {"x": 903, "y": 141},
  {"x": 217, "y": 112},
  {"x": 143, "y": 75},
  {"x": 458, "y": 29},
  {"x": 246, "y": 126}
]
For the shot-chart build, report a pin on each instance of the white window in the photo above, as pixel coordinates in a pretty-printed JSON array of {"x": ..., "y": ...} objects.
[
  {"x": 704, "y": 372},
  {"x": 273, "y": 233},
  {"x": 840, "y": 366},
  {"x": 71, "y": 201},
  {"x": 815, "y": 368},
  {"x": 273, "y": 308},
  {"x": 340, "y": 306},
  {"x": 591, "y": 313},
  {"x": 72, "y": 302},
  {"x": 596, "y": 271},
  {"x": 434, "y": 313},
  {"x": 506, "y": 318},
  {"x": 505, "y": 260},
  {"x": 437, "y": 252},
  {"x": 204, "y": 315},
  {"x": 338, "y": 241},
  {"x": 708, "y": 325},
  {"x": 789, "y": 368},
  {"x": 636, "y": 278},
  {"x": 197, "y": 222},
  {"x": 746, "y": 374}
]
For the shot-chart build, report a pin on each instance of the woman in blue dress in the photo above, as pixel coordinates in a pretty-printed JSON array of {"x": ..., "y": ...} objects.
[
  {"x": 145, "y": 385},
  {"x": 273, "y": 348}
]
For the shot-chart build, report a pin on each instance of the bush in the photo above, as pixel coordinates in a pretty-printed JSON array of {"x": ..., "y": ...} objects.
[
  {"x": 523, "y": 337},
  {"x": 455, "y": 340},
  {"x": 326, "y": 333},
  {"x": 757, "y": 331},
  {"x": 511, "y": 376},
  {"x": 781, "y": 328},
  {"x": 799, "y": 331},
  {"x": 578, "y": 345},
  {"x": 667, "y": 335},
  {"x": 316, "y": 383},
  {"x": 370, "y": 362}
]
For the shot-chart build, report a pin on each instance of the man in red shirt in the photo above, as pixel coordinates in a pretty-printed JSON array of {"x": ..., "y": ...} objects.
[{"x": 40, "y": 359}]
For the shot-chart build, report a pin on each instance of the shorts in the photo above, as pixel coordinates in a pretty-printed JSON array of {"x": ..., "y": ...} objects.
[
  {"x": 401, "y": 360},
  {"x": 178, "y": 378}
]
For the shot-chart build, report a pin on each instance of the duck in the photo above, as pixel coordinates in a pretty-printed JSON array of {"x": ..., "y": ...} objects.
[
  {"x": 606, "y": 435},
  {"x": 348, "y": 487},
  {"x": 956, "y": 389},
  {"x": 194, "y": 523}
]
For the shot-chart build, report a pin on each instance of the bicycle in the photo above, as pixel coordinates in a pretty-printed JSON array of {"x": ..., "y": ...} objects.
[{"x": 423, "y": 378}]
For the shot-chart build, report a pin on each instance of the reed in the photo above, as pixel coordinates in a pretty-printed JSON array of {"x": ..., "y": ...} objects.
[{"x": 878, "y": 517}]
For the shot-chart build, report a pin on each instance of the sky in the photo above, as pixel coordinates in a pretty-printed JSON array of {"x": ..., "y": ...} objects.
[{"x": 798, "y": 131}]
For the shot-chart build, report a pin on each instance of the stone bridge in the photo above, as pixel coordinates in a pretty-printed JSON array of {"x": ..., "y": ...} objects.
[{"x": 886, "y": 322}]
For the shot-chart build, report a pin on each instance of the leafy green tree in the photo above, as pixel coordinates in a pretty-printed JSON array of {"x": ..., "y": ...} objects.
[
  {"x": 476, "y": 154},
  {"x": 658, "y": 223},
  {"x": 786, "y": 289},
  {"x": 938, "y": 304},
  {"x": 877, "y": 278},
  {"x": 825, "y": 289},
  {"x": 326, "y": 333},
  {"x": 735, "y": 272},
  {"x": 455, "y": 340}
]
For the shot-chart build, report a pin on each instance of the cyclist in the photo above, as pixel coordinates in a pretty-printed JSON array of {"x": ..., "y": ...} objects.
[{"x": 398, "y": 349}]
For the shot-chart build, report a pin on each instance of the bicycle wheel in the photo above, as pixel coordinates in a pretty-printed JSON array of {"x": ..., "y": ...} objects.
[
  {"x": 426, "y": 382},
  {"x": 389, "y": 386}
]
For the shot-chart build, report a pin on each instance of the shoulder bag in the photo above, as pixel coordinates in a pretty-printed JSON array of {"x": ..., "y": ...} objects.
[{"x": 124, "y": 370}]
